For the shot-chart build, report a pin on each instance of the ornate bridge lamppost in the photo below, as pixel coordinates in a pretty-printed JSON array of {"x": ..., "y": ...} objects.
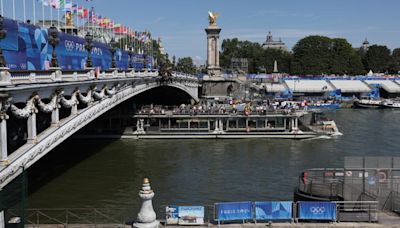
[
  {"x": 88, "y": 47},
  {"x": 53, "y": 40},
  {"x": 3, "y": 34},
  {"x": 130, "y": 53},
  {"x": 113, "y": 49}
]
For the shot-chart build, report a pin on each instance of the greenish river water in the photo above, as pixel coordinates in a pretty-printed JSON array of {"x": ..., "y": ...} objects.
[{"x": 105, "y": 173}]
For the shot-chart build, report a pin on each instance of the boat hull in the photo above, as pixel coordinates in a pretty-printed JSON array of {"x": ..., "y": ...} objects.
[{"x": 363, "y": 105}]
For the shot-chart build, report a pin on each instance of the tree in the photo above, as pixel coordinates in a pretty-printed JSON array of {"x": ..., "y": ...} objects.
[
  {"x": 312, "y": 55},
  {"x": 377, "y": 58},
  {"x": 315, "y": 55},
  {"x": 269, "y": 56},
  {"x": 186, "y": 65},
  {"x": 394, "y": 66}
]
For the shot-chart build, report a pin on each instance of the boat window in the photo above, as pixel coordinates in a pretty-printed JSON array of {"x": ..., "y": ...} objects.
[
  {"x": 164, "y": 123},
  {"x": 203, "y": 124},
  {"x": 174, "y": 124},
  {"x": 251, "y": 123},
  {"x": 232, "y": 123},
  {"x": 241, "y": 123},
  {"x": 279, "y": 122},
  {"x": 260, "y": 123},
  {"x": 183, "y": 124}
]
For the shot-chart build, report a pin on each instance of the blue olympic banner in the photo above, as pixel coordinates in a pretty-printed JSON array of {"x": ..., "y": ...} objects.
[
  {"x": 317, "y": 210},
  {"x": 26, "y": 47},
  {"x": 234, "y": 211},
  {"x": 280, "y": 210}
]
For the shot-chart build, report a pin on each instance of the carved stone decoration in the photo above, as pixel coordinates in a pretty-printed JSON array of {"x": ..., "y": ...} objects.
[
  {"x": 71, "y": 102},
  {"x": 26, "y": 111},
  {"x": 47, "y": 108},
  {"x": 86, "y": 99},
  {"x": 101, "y": 95},
  {"x": 111, "y": 92}
]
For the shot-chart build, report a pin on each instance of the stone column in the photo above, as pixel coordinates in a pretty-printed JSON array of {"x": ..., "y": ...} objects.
[
  {"x": 213, "y": 68},
  {"x": 2, "y": 221},
  {"x": 146, "y": 216},
  {"x": 32, "y": 127},
  {"x": 3, "y": 139},
  {"x": 55, "y": 116},
  {"x": 74, "y": 109}
]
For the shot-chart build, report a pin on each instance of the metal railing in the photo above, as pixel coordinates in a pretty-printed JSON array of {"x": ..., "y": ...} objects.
[
  {"x": 357, "y": 211},
  {"x": 117, "y": 217},
  {"x": 29, "y": 77}
]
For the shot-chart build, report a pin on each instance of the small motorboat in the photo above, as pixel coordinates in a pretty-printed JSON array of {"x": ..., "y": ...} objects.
[{"x": 390, "y": 104}]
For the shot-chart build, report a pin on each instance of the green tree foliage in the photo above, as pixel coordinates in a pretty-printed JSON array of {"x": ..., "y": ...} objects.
[
  {"x": 394, "y": 66},
  {"x": 267, "y": 58},
  {"x": 186, "y": 65},
  {"x": 377, "y": 58},
  {"x": 312, "y": 55}
]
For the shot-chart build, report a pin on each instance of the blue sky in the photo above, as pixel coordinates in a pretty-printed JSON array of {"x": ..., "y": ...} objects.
[{"x": 181, "y": 23}]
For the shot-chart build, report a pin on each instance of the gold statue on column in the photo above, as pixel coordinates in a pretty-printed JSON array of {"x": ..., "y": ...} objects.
[
  {"x": 212, "y": 18},
  {"x": 68, "y": 19}
]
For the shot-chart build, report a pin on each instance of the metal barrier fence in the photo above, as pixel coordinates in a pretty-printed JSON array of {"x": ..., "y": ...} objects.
[
  {"x": 352, "y": 184},
  {"x": 349, "y": 211}
]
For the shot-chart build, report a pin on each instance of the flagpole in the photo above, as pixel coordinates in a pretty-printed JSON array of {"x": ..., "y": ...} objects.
[
  {"x": 42, "y": 14},
  {"x": 58, "y": 18},
  {"x": 2, "y": 8},
  {"x": 34, "y": 12},
  {"x": 24, "y": 8},
  {"x": 14, "y": 10},
  {"x": 51, "y": 15}
]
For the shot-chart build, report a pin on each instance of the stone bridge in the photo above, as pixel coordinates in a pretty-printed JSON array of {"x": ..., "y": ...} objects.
[{"x": 85, "y": 94}]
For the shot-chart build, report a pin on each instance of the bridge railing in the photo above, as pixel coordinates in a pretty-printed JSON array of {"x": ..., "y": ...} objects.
[{"x": 8, "y": 78}]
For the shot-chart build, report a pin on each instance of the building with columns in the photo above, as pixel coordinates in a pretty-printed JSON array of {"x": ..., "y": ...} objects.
[{"x": 274, "y": 44}]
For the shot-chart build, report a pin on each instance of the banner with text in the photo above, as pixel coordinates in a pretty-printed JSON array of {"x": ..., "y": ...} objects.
[
  {"x": 317, "y": 210},
  {"x": 191, "y": 215},
  {"x": 274, "y": 210},
  {"x": 234, "y": 211}
]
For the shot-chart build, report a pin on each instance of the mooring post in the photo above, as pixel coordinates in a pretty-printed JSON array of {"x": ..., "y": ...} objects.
[{"x": 146, "y": 216}]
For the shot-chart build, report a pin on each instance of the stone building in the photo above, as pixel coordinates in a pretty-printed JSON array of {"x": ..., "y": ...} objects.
[{"x": 274, "y": 44}]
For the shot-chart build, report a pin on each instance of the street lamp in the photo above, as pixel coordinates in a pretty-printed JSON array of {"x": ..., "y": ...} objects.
[
  {"x": 88, "y": 47},
  {"x": 113, "y": 49},
  {"x": 3, "y": 34},
  {"x": 53, "y": 40},
  {"x": 130, "y": 53}
]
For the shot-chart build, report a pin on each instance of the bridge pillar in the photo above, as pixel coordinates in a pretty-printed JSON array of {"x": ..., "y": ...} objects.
[
  {"x": 55, "y": 117},
  {"x": 74, "y": 109},
  {"x": 32, "y": 128},
  {"x": 2, "y": 221},
  {"x": 3, "y": 140}
]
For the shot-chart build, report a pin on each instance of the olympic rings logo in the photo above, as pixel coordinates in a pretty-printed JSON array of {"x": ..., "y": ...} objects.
[
  {"x": 317, "y": 210},
  {"x": 69, "y": 45}
]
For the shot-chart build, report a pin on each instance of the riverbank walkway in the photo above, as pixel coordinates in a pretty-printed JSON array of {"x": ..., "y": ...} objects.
[{"x": 386, "y": 219}]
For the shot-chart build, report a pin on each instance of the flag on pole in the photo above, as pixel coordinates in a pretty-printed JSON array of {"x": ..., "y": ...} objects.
[{"x": 68, "y": 6}]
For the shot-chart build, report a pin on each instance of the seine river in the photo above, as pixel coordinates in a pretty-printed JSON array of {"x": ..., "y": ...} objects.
[{"x": 105, "y": 173}]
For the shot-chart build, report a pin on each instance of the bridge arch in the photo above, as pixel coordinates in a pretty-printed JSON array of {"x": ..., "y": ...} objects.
[{"x": 98, "y": 104}]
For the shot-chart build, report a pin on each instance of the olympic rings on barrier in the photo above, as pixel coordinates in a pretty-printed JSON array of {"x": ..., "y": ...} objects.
[{"x": 317, "y": 210}]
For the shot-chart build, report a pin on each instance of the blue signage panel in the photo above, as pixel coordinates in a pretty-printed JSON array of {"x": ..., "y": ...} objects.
[
  {"x": 26, "y": 47},
  {"x": 274, "y": 210},
  {"x": 317, "y": 210},
  {"x": 234, "y": 211}
]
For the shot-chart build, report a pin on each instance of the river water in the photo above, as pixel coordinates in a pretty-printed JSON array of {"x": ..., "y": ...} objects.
[{"x": 106, "y": 173}]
